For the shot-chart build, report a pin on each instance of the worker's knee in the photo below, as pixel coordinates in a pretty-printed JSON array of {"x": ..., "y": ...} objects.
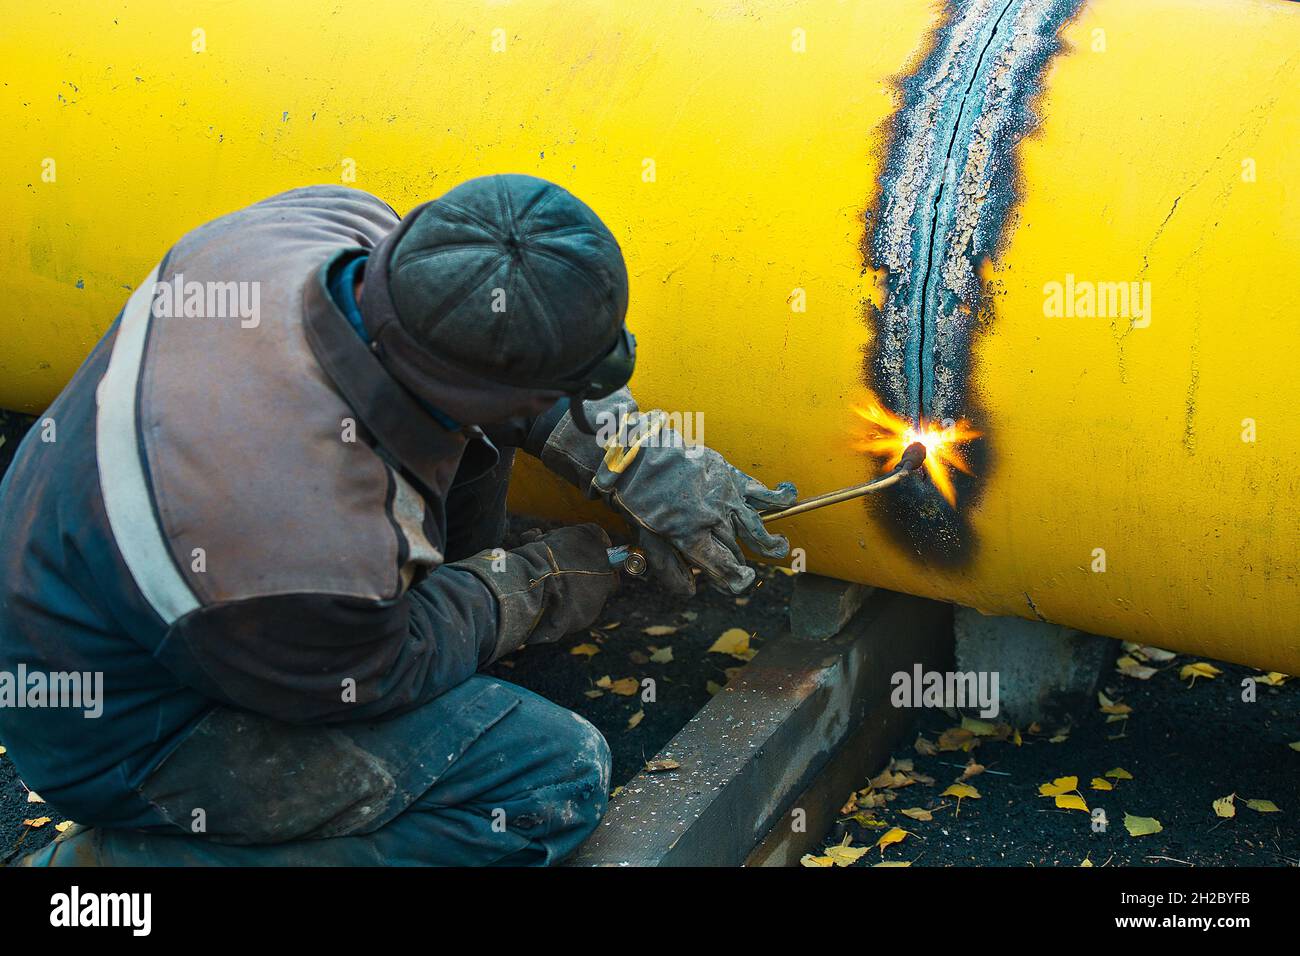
[
  {"x": 570, "y": 756},
  {"x": 559, "y": 786}
]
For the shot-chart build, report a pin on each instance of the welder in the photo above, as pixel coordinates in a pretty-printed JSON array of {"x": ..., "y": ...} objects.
[{"x": 280, "y": 537}]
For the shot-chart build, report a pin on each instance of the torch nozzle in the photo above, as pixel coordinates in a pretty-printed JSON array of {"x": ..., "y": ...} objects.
[{"x": 913, "y": 457}]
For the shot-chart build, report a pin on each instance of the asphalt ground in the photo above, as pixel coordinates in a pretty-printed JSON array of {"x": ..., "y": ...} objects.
[{"x": 1185, "y": 745}]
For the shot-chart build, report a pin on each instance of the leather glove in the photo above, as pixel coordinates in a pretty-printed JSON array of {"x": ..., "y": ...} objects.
[
  {"x": 687, "y": 504},
  {"x": 547, "y": 588}
]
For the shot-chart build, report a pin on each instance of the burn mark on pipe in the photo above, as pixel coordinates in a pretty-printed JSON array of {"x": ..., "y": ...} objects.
[{"x": 947, "y": 188}]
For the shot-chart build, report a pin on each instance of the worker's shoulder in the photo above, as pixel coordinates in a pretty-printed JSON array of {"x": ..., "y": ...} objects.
[
  {"x": 323, "y": 217},
  {"x": 328, "y": 196}
]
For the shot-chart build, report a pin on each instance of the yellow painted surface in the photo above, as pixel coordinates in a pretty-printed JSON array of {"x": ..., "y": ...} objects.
[{"x": 763, "y": 160}]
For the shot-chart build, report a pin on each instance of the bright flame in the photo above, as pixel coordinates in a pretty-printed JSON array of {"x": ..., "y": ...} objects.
[{"x": 890, "y": 435}]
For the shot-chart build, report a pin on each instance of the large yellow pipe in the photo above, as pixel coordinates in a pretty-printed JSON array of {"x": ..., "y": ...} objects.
[{"x": 735, "y": 148}]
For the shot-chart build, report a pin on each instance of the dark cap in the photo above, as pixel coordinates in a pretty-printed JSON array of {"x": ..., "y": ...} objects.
[{"x": 510, "y": 277}]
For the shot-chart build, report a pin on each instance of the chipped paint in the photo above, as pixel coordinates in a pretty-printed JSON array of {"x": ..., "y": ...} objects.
[{"x": 947, "y": 188}]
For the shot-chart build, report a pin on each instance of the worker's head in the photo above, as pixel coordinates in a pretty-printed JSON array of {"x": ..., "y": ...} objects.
[{"x": 499, "y": 298}]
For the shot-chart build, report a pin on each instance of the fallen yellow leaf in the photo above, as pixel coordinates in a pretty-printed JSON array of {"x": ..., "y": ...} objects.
[
  {"x": 980, "y": 728},
  {"x": 658, "y": 630},
  {"x": 809, "y": 860},
  {"x": 887, "y": 779},
  {"x": 1109, "y": 706},
  {"x": 587, "y": 650},
  {"x": 845, "y": 855},
  {"x": 916, "y": 813},
  {"x": 1225, "y": 806},
  {"x": 890, "y": 837},
  {"x": 1101, "y": 783},
  {"x": 712, "y": 687},
  {"x": 733, "y": 641},
  {"x": 1198, "y": 669},
  {"x": 37, "y": 823},
  {"x": 1087, "y": 860},
  {"x": 662, "y": 655},
  {"x": 1272, "y": 679},
  {"x": 922, "y": 746},
  {"x": 1131, "y": 668},
  {"x": 892, "y": 863},
  {"x": 961, "y": 791},
  {"x": 636, "y": 718},
  {"x": 864, "y": 819},
  {"x": 34, "y": 797},
  {"x": 957, "y": 738},
  {"x": 1071, "y": 801},
  {"x": 1294, "y": 745},
  {"x": 1141, "y": 826},
  {"x": 1263, "y": 806},
  {"x": 593, "y": 694},
  {"x": 1119, "y": 773},
  {"x": 658, "y": 766},
  {"x": 1058, "y": 786},
  {"x": 626, "y": 686},
  {"x": 63, "y": 827}
]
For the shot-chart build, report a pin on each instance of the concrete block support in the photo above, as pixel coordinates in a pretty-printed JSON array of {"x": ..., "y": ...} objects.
[
  {"x": 763, "y": 741},
  {"x": 820, "y": 607},
  {"x": 1044, "y": 670}
]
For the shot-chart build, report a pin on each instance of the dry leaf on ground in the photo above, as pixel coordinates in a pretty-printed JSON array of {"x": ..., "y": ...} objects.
[
  {"x": 891, "y": 836},
  {"x": 1058, "y": 786},
  {"x": 1129, "y": 667},
  {"x": 1198, "y": 669},
  {"x": 1141, "y": 826},
  {"x": 733, "y": 641},
  {"x": 1263, "y": 806},
  {"x": 1225, "y": 806}
]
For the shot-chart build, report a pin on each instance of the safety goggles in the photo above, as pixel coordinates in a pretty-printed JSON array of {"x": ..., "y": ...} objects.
[{"x": 607, "y": 375}]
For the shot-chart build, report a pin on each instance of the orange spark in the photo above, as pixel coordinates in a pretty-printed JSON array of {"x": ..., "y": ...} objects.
[{"x": 890, "y": 435}]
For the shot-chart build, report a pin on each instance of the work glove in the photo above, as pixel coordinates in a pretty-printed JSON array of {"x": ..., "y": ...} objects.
[
  {"x": 687, "y": 505},
  {"x": 555, "y": 584}
]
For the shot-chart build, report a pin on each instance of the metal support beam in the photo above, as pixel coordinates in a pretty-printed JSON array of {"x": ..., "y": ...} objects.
[{"x": 759, "y": 744}]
